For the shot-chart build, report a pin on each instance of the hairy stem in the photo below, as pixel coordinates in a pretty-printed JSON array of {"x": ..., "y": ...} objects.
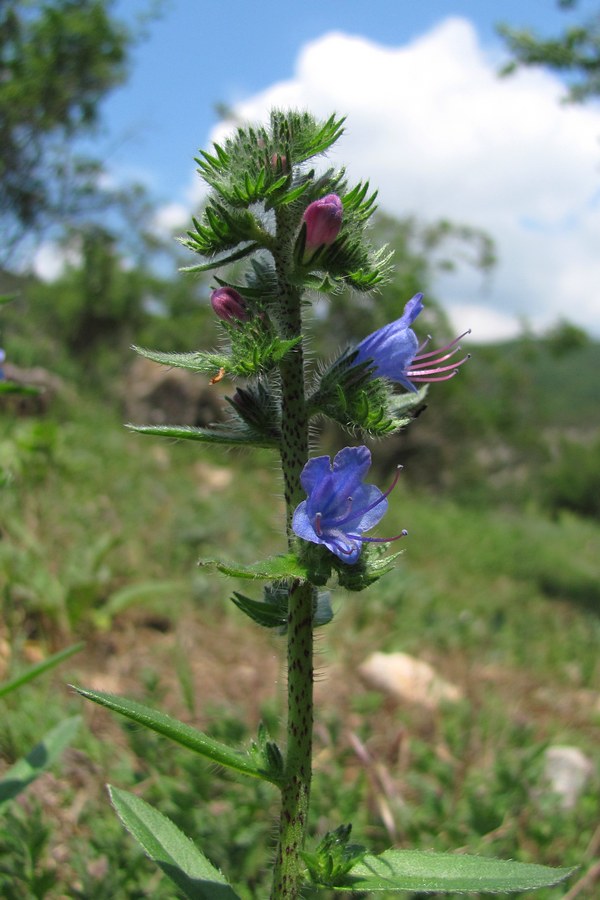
[
  {"x": 294, "y": 454},
  {"x": 295, "y": 793}
]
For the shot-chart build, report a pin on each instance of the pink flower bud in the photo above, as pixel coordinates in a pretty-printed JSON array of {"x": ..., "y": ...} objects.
[
  {"x": 323, "y": 221},
  {"x": 229, "y": 305},
  {"x": 279, "y": 161}
]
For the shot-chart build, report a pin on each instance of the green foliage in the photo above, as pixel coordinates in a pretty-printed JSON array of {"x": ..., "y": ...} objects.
[
  {"x": 35, "y": 671},
  {"x": 181, "y": 734},
  {"x": 397, "y": 871},
  {"x": 164, "y": 843},
  {"x": 234, "y": 435},
  {"x": 25, "y": 871},
  {"x": 350, "y": 396},
  {"x": 575, "y": 53},
  {"x": 525, "y": 650},
  {"x": 57, "y": 61},
  {"x": 333, "y": 857},
  {"x": 31, "y": 448},
  {"x": 275, "y": 567},
  {"x": 264, "y": 167},
  {"x": 253, "y": 351},
  {"x": 272, "y": 610},
  {"x": 572, "y": 480},
  {"x": 43, "y": 755}
]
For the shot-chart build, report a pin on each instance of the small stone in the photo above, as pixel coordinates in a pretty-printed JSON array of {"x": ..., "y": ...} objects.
[
  {"x": 409, "y": 679},
  {"x": 567, "y": 770}
]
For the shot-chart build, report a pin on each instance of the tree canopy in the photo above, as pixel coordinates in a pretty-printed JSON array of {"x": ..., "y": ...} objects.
[
  {"x": 575, "y": 53},
  {"x": 58, "y": 60}
]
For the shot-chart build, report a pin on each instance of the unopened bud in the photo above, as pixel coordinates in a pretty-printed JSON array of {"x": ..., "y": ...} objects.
[
  {"x": 229, "y": 305},
  {"x": 279, "y": 162},
  {"x": 323, "y": 220}
]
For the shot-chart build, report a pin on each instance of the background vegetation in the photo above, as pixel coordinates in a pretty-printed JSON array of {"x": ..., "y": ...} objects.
[{"x": 101, "y": 530}]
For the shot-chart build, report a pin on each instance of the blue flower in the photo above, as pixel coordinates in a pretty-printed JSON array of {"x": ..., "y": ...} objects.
[
  {"x": 394, "y": 352},
  {"x": 339, "y": 507}
]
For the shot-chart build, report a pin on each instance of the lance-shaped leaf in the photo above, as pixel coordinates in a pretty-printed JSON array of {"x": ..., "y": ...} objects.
[
  {"x": 265, "y": 614},
  {"x": 223, "y": 228},
  {"x": 170, "y": 849},
  {"x": 179, "y": 732},
  {"x": 236, "y": 437},
  {"x": 272, "y": 569},
  {"x": 38, "y": 760},
  {"x": 253, "y": 350},
  {"x": 272, "y": 610},
  {"x": 196, "y": 361},
  {"x": 219, "y": 261},
  {"x": 34, "y": 671},
  {"x": 418, "y": 871}
]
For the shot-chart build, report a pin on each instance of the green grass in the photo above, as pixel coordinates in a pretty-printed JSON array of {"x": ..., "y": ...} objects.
[{"x": 504, "y": 602}]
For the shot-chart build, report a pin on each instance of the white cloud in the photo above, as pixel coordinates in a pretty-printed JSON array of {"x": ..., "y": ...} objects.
[
  {"x": 438, "y": 132},
  {"x": 50, "y": 260},
  {"x": 169, "y": 218}
]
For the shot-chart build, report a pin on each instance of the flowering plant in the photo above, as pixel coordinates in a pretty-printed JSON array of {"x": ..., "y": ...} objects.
[{"x": 300, "y": 231}]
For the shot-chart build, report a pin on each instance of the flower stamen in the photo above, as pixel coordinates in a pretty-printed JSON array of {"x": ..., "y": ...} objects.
[
  {"x": 440, "y": 349},
  {"x": 348, "y": 516},
  {"x": 385, "y": 540}
]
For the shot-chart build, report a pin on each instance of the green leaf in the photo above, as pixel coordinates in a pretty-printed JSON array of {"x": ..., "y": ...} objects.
[
  {"x": 38, "y": 760},
  {"x": 223, "y": 260},
  {"x": 197, "y": 361},
  {"x": 272, "y": 610},
  {"x": 11, "y": 387},
  {"x": 178, "y": 732},
  {"x": 275, "y": 568},
  {"x": 424, "y": 872},
  {"x": 171, "y": 849},
  {"x": 39, "y": 669},
  {"x": 268, "y": 615},
  {"x": 219, "y": 435}
]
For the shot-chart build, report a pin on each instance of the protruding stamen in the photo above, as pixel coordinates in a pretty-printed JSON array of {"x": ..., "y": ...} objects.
[
  {"x": 371, "y": 540},
  {"x": 441, "y": 349},
  {"x": 428, "y": 379},
  {"x": 318, "y": 517},
  {"x": 371, "y": 506},
  {"x": 437, "y": 369},
  {"x": 424, "y": 344}
]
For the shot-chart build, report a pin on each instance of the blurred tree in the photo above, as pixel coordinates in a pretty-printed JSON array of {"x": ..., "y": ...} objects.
[
  {"x": 82, "y": 324},
  {"x": 58, "y": 60},
  {"x": 575, "y": 53},
  {"x": 419, "y": 252},
  {"x": 564, "y": 338}
]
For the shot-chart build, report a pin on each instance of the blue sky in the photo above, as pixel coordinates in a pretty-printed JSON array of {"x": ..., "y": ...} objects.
[
  {"x": 202, "y": 53},
  {"x": 428, "y": 122}
]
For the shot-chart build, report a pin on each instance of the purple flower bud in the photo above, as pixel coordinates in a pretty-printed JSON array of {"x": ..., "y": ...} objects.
[
  {"x": 323, "y": 220},
  {"x": 229, "y": 305},
  {"x": 339, "y": 507}
]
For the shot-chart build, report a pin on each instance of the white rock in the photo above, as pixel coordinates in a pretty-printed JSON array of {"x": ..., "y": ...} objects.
[
  {"x": 567, "y": 771},
  {"x": 409, "y": 679}
]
